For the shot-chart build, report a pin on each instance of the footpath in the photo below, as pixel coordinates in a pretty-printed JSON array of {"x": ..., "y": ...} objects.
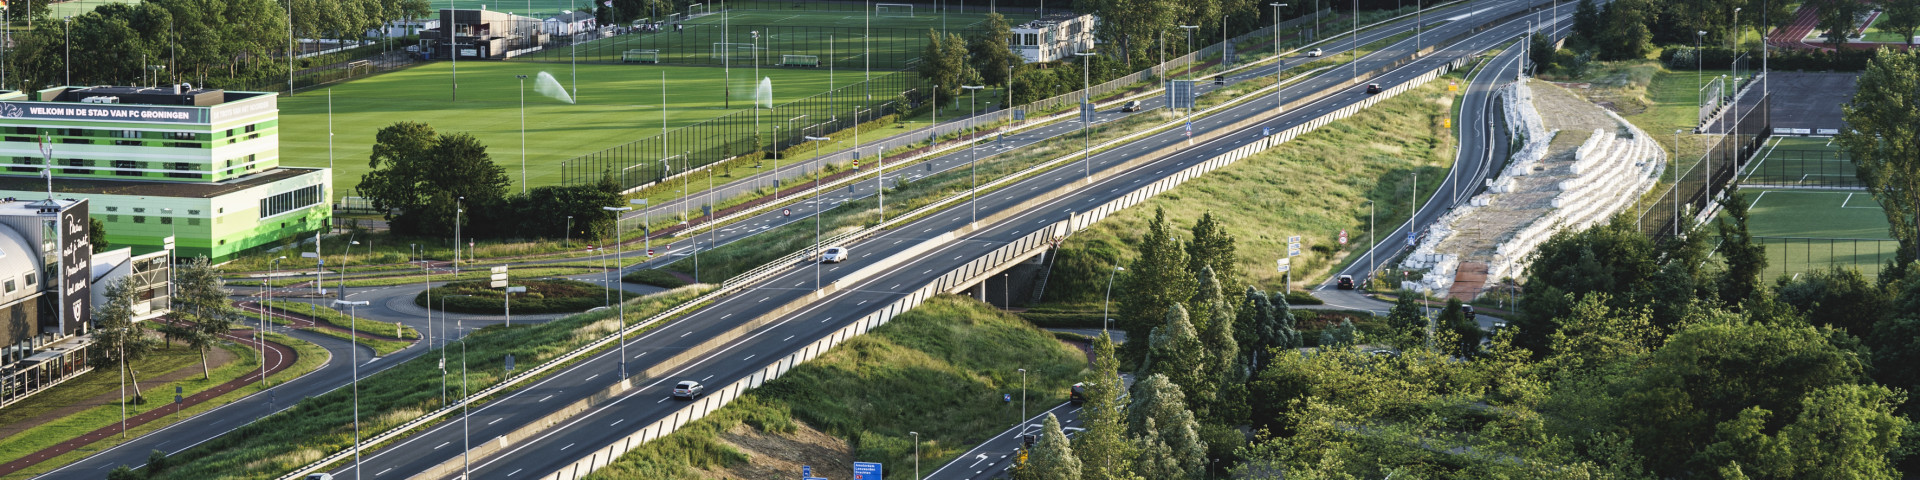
[{"x": 279, "y": 357}]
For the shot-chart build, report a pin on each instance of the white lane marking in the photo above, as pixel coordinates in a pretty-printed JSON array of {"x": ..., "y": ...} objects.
[
  {"x": 789, "y": 337},
  {"x": 616, "y": 422},
  {"x": 684, "y": 335},
  {"x": 708, "y": 377},
  {"x": 545, "y": 399},
  {"x": 749, "y": 357},
  {"x": 442, "y": 445},
  {"x": 570, "y": 445},
  {"x": 497, "y": 420}
]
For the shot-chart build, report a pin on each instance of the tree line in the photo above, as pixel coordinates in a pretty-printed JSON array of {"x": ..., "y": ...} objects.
[
  {"x": 212, "y": 43},
  {"x": 423, "y": 180},
  {"x": 1629, "y": 29},
  {"x": 1627, "y": 357}
]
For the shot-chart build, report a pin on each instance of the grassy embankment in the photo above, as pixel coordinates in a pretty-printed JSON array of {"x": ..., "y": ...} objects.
[
  {"x": 324, "y": 423},
  {"x": 542, "y": 296},
  {"x": 939, "y": 369},
  {"x": 101, "y": 382},
  {"x": 1314, "y": 186}
]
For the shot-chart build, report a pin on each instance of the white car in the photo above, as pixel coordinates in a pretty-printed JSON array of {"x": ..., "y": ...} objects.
[
  {"x": 834, "y": 255},
  {"x": 1313, "y": 53},
  {"x": 688, "y": 389}
]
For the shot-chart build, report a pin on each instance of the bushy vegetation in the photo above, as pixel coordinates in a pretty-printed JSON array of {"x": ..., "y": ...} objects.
[{"x": 554, "y": 295}]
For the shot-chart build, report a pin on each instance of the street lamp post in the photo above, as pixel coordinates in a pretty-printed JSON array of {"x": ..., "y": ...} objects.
[
  {"x": 1699, "y": 61},
  {"x": 973, "y": 157},
  {"x": 1675, "y": 165},
  {"x": 523, "y": 134},
  {"x": 346, "y": 260},
  {"x": 459, "y": 207},
  {"x": 66, "y": 31},
  {"x": 353, "y": 326},
  {"x": 1189, "y": 66},
  {"x": 618, "y": 263},
  {"x": 816, "y": 206},
  {"x": 1023, "y": 395},
  {"x": 1278, "y": 100},
  {"x": 1372, "y": 244},
  {"x": 916, "y": 454},
  {"x": 1086, "y": 115},
  {"x": 776, "y": 156},
  {"x": 568, "y": 239},
  {"x": 1104, "y": 319}
]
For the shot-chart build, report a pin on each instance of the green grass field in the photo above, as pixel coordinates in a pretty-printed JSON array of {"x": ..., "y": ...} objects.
[
  {"x": 1807, "y": 230},
  {"x": 617, "y": 104},
  {"x": 842, "y": 35}
]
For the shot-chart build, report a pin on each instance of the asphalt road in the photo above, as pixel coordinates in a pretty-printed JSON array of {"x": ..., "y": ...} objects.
[{"x": 650, "y": 399}]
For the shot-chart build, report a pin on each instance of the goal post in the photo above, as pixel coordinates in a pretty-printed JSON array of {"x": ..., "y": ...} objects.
[
  {"x": 640, "y": 56},
  {"x": 733, "y": 51},
  {"x": 893, "y": 10},
  {"x": 800, "y": 60}
]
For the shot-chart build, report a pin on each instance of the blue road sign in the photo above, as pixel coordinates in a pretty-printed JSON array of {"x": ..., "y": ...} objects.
[
  {"x": 1410, "y": 238},
  {"x": 866, "y": 471},
  {"x": 806, "y": 471},
  {"x": 1007, "y": 397}
]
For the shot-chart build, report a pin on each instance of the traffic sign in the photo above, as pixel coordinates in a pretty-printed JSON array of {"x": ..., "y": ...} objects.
[
  {"x": 649, "y": 252},
  {"x": 1007, "y": 397},
  {"x": 806, "y": 470},
  {"x": 1180, "y": 94},
  {"x": 1293, "y": 250},
  {"x": 1343, "y": 236},
  {"x": 1086, "y": 112},
  {"x": 1283, "y": 265},
  {"x": 866, "y": 471},
  {"x": 1410, "y": 239},
  {"x": 498, "y": 279},
  {"x": 516, "y": 289},
  {"x": 1293, "y": 239},
  {"x": 509, "y": 363}
]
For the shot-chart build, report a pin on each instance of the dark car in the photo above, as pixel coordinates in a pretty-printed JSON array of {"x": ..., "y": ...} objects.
[
  {"x": 1468, "y": 310},
  {"x": 687, "y": 389},
  {"x": 1219, "y": 79},
  {"x": 1133, "y": 106},
  {"x": 1373, "y": 88},
  {"x": 1077, "y": 394},
  {"x": 1346, "y": 282}
]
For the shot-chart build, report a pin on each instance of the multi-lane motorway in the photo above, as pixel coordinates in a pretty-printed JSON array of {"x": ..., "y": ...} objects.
[{"x": 649, "y": 399}]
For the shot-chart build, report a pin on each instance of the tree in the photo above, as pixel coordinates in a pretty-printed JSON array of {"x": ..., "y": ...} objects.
[
  {"x": 1624, "y": 34},
  {"x": 1837, "y": 20},
  {"x": 1174, "y": 350},
  {"x": 1051, "y": 458},
  {"x": 1130, "y": 25},
  {"x": 1841, "y": 297},
  {"x": 1407, "y": 320},
  {"x": 423, "y": 175},
  {"x": 1586, "y": 20},
  {"x": 1103, "y": 449},
  {"x": 1841, "y": 432},
  {"x": 1222, "y": 388},
  {"x": 1540, "y": 52},
  {"x": 1902, "y": 17},
  {"x": 944, "y": 64},
  {"x": 116, "y": 340},
  {"x": 1339, "y": 336},
  {"x": 990, "y": 51},
  {"x": 1283, "y": 331},
  {"x": 1212, "y": 247},
  {"x": 26, "y": 11},
  {"x": 97, "y": 234},
  {"x": 1466, "y": 333},
  {"x": 1159, "y": 415},
  {"x": 200, "y": 304},
  {"x": 1155, "y": 281},
  {"x": 1745, "y": 260},
  {"x": 1883, "y": 139}
]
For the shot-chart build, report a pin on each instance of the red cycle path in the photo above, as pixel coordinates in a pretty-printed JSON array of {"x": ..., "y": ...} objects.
[
  {"x": 1805, "y": 20},
  {"x": 279, "y": 357}
]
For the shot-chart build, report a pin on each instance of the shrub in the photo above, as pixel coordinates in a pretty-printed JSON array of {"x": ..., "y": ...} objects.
[{"x": 542, "y": 296}]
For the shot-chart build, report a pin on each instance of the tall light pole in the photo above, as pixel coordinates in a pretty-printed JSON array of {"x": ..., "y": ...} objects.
[
  {"x": 1086, "y": 109},
  {"x": 618, "y": 264},
  {"x": 916, "y": 454},
  {"x": 466, "y": 432},
  {"x": 1023, "y": 396},
  {"x": 776, "y": 156},
  {"x": 1190, "y": 84},
  {"x": 1355, "y": 49},
  {"x": 973, "y": 157},
  {"x": 66, "y": 31},
  {"x": 523, "y": 134},
  {"x": 568, "y": 238},
  {"x": 1104, "y": 319},
  {"x": 1372, "y": 244},
  {"x": 353, "y": 324},
  {"x": 1675, "y": 164},
  {"x": 816, "y": 205},
  {"x": 1734, "y": 43},
  {"x": 1278, "y": 100},
  {"x": 1699, "y": 78},
  {"x": 459, "y": 207},
  {"x": 346, "y": 260}
]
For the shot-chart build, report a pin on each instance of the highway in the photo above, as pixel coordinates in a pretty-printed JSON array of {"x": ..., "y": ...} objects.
[{"x": 650, "y": 400}]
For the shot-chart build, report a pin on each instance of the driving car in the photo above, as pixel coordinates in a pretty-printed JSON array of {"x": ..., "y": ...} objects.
[
  {"x": 1468, "y": 310},
  {"x": 1219, "y": 79},
  {"x": 688, "y": 389},
  {"x": 1313, "y": 53},
  {"x": 1373, "y": 88},
  {"x": 1133, "y": 106},
  {"x": 1346, "y": 282},
  {"x": 1077, "y": 394},
  {"x": 833, "y": 255}
]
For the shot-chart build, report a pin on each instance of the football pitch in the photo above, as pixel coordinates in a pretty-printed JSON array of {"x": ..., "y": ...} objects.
[
  {"x": 1801, "y": 163},
  {"x": 617, "y": 104},
  {"x": 736, "y": 35},
  {"x": 1805, "y": 230}
]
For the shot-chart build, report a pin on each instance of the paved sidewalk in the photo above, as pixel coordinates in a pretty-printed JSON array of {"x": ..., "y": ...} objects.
[{"x": 279, "y": 357}]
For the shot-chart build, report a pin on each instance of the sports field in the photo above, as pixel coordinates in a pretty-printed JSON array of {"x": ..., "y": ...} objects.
[
  {"x": 730, "y": 37},
  {"x": 1806, "y": 230},
  {"x": 617, "y": 104}
]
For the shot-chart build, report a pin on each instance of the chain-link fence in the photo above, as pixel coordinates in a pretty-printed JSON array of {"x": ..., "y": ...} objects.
[
  {"x": 1798, "y": 255},
  {"x": 743, "y": 132},
  {"x": 1803, "y": 169},
  {"x": 743, "y": 45},
  {"x": 1708, "y": 176}
]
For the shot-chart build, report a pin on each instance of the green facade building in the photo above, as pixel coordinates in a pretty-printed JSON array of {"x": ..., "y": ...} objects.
[{"x": 201, "y": 165}]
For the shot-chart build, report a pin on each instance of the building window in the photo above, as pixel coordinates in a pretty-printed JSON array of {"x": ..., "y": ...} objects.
[
  {"x": 113, "y": 218},
  {"x": 113, "y": 209},
  {"x": 139, "y": 210},
  {"x": 290, "y": 201},
  {"x": 11, "y": 287},
  {"x": 125, "y": 168},
  {"x": 193, "y": 212},
  {"x": 166, "y": 220},
  {"x": 193, "y": 222},
  {"x": 180, "y": 135},
  {"x": 30, "y": 279},
  {"x": 139, "y": 219},
  {"x": 77, "y": 162}
]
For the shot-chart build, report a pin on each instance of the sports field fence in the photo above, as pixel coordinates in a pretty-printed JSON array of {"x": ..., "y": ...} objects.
[
  {"x": 1799, "y": 255},
  {"x": 1803, "y": 169},
  {"x": 1710, "y": 173}
]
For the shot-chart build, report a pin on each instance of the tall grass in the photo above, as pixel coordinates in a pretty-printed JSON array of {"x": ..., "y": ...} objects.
[
  {"x": 1314, "y": 186},
  {"x": 940, "y": 369},
  {"x": 324, "y": 423}
]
